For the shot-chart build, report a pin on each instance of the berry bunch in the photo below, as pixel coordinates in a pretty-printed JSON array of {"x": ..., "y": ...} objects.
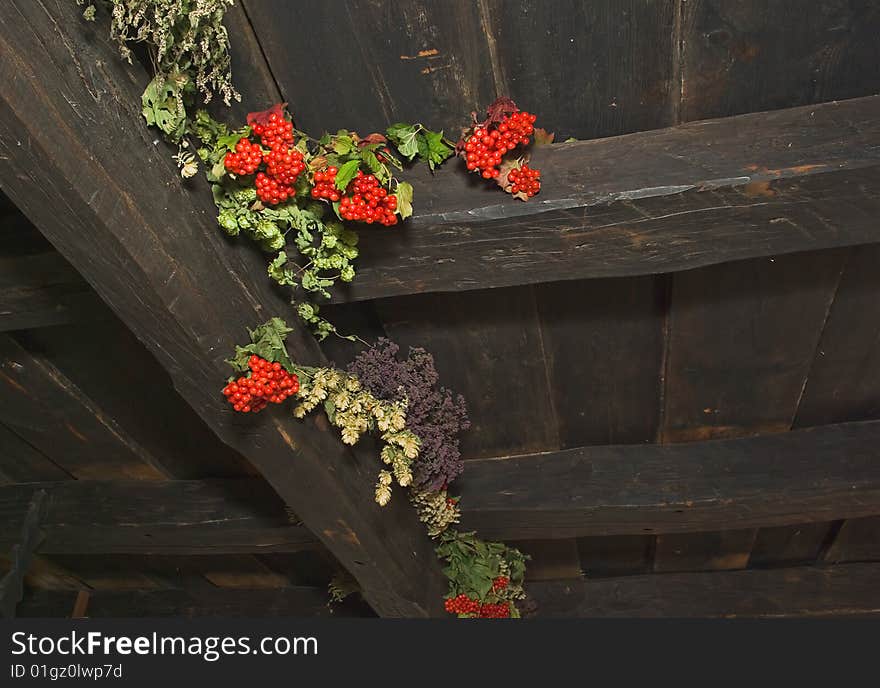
[
  {"x": 325, "y": 185},
  {"x": 367, "y": 201},
  {"x": 488, "y": 143},
  {"x": 283, "y": 163},
  {"x": 525, "y": 180},
  {"x": 462, "y": 605},
  {"x": 267, "y": 382},
  {"x": 270, "y": 190},
  {"x": 274, "y": 130},
  {"x": 500, "y": 610},
  {"x": 245, "y": 159},
  {"x": 500, "y": 583}
]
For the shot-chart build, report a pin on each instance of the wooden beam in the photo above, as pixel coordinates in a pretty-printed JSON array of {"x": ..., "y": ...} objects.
[
  {"x": 294, "y": 601},
  {"x": 112, "y": 202},
  {"x": 844, "y": 590},
  {"x": 43, "y": 290},
  {"x": 157, "y": 517},
  {"x": 659, "y": 201},
  {"x": 12, "y": 584},
  {"x": 804, "y": 476}
]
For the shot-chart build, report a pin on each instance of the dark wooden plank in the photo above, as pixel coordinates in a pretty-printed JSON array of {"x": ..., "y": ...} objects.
[
  {"x": 858, "y": 540},
  {"x": 153, "y": 253},
  {"x": 42, "y": 290},
  {"x": 844, "y": 381},
  {"x": 160, "y": 421},
  {"x": 287, "y": 602},
  {"x": 588, "y": 69},
  {"x": 712, "y": 551},
  {"x": 742, "y": 339},
  {"x": 789, "y": 545},
  {"x": 413, "y": 60},
  {"x": 550, "y": 559},
  {"x": 749, "y": 56},
  {"x": 50, "y": 413},
  {"x": 800, "y": 591},
  {"x": 22, "y": 462},
  {"x": 619, "y": 555},
  {"x": 487, "y": 346},
  {"x": 604, "y": 345},
  {"x": 604, "y": 342},
  {"x": 158, "y": 517},
  {"x": 661, "y": 201},
  {"x": 791, "y": 478}
]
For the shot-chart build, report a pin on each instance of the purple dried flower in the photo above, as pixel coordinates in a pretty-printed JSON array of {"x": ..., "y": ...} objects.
[{"x": 433, "y": 413}]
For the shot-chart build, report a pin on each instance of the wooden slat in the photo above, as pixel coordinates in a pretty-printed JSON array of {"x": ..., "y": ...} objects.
[
  {"x": 791, "y": 478},
  {"x": 42, "y": 290},
  {"x": 749, "y": 56},
  {"x": 659, "y": 201},
  {"x": 858, "y": 540},
  {"x": 153, "y": 252},
  {"x": 487, "y": 346},
  {"x": 158, "y": 517},
  {"x": 290, "y": 601},
  {"x": 800, "y": 591},
  {"x": 51, "y": 414}
]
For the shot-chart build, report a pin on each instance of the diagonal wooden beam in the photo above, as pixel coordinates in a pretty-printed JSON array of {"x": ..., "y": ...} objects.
[
  {"x": 804, "y": 476},
  {"x": 78, "y": 160},
  {"x": 659, "y": 201}
]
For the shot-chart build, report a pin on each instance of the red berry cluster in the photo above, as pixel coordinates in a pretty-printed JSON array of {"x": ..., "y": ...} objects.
[
  {"x": 325, "y": 185},
  {"x": 500, "y": 583},
  {"x": 284, "y": 163},
  {"x": 367, "y": 201},
  {"x": 462, "y": 604},
  {"x": 246, "y": 158},
  {"x": 525, "y": 180},
  {"x": 267, "y": 382},
  {"x": 500, "y": 610},
  {"x": 274, "y": 130},
  {"x": 485, "y": 147}
]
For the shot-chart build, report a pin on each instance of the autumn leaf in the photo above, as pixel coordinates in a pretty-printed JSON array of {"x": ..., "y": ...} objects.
[{"x": 543, "y": 137}]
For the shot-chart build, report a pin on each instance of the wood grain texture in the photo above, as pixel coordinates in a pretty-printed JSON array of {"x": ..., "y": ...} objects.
[
  {"x": 51, "y": 414},
  {"x": 749, "y": 56},
  {"x": 588, "y": 69},
  {"x": 22, "y": 462},
  {"x": 487, "y": 346},
  {"x": 789, "y": 545},
  {"x": 158, "y": 517},
  {"x": 603, "y": 340},
  {"x": 799, "y": 477},
  {"x": 182, "y": 289},
  {"x": 857, "y": 540},
  {"x": 42, "y": 290},
  {"x": 792, "y": 592},
  {"x": 660, "y": 201},
  {"x": 742, "y": 340}
]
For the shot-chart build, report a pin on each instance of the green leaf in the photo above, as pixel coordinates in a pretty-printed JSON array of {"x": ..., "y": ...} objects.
[
  {"x": 280, "y": 272},
  {"x": 404, "y": 199},
  {"x": 404, "y": 137},
  {"x": 161, "y": 105},
  {"x": 435, "y": 150},
  {"x": 376, "y": 167},
  {"x": 267, "y": 341},
  {"x": 346, "y": 173}
]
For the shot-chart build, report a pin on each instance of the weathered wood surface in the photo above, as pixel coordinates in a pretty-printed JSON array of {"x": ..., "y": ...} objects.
[
  {"x": 799, "y": 477},
  {"x": 52, "y": 415},
  {"x": 157, "y": 517},
  {"x": 787, "y": 592},
  {"x": 43, "y": 290},
  {"x": 154, "y": 254},
  {"x": 698, "y": 194},
  {"x": 294, "y": 601}
]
